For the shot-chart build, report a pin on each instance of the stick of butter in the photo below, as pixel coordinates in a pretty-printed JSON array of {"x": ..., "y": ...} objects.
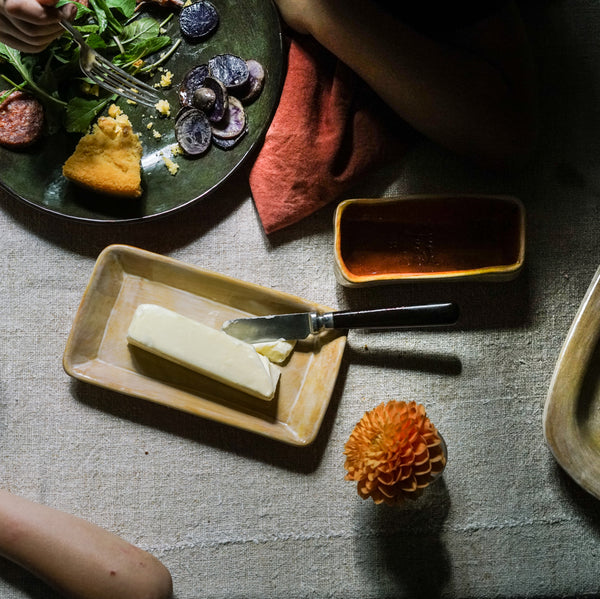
[{"x": 203, "y": 349}]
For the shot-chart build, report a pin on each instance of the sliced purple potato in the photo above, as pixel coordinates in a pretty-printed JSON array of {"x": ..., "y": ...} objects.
[
  {"x": 234, "y": 121},
  {"x": 192, "y": 80},
  {"x": 192, "y": 131},
  {"x": 230, "y": 69},
  {"x": 227, "y": 144},
  {"x": 198, "y": 20},
  {"x": 181, "y": 111},
  {"x": 255, "y": 84},
  {"x": 217, "y": 112}
]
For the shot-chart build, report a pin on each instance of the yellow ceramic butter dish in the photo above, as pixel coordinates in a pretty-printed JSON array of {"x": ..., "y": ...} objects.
[{"x": 125, "y": 277}]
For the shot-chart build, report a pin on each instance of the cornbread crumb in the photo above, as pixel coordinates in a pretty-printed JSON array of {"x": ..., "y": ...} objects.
[
  {"x": 172, "y": 167},
  {"x": 156, "y": 134},
  {"x": 91, "y": 89},
  {"x": 166, "y": 79},
  {"x": 108, "y": 159},
  {"x": 114, "y": 111},
  {"x": 176, "y": 150},
  {"x": 163, "y": 107}
]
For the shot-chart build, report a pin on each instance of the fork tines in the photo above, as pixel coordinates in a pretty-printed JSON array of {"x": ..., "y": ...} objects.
[{"x": 115, "y": 79}]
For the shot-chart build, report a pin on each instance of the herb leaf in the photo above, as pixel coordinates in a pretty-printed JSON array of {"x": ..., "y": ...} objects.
[
  {"x": 20, "y": 64},
  {"x": 81, "y": 113}
]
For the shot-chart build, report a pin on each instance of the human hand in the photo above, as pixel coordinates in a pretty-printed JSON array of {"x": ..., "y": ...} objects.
[{"x": 30, "y": 25}]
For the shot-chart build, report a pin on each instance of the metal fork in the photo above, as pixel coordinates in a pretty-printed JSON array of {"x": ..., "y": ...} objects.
[{"x": 109, "y": 76}]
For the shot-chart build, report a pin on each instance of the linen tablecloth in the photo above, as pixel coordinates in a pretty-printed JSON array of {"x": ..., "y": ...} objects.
[{"x": 232, "y": 514}]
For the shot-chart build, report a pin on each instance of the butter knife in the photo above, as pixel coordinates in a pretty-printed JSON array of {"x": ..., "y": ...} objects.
[{"x": 302, "y": 324}]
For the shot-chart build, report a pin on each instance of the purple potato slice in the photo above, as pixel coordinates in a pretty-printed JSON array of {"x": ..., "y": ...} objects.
[
  {"x": 198, "y": 20},
  {"x": 227, "y": 144},
  {"x": 230, "y": 69},
  {"x": 234, "y": 121},
  {"x": 255, "y": 84},
  {"x": 181, "y": 111},
  {"x": 192, "y": 80},
  {"x": 192, "y": 131}
]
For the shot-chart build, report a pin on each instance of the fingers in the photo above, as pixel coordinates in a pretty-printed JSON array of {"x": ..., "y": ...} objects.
[
  {"x": 18, "y": 42},
  {"x": 31, "y": 12},
  {"x": 28, "y": 26},
  {"x": 26, "y": 37}
]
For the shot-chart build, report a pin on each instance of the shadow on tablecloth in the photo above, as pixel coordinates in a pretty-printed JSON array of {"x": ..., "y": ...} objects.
[
  {"x": 406, "y": 543},
  {"x": 302, "y": 460}
]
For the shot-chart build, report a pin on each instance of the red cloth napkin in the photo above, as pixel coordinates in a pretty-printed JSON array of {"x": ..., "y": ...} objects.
[{"x": 328, "y": 130}]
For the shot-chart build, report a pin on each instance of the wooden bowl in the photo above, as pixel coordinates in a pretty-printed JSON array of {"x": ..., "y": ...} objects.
[{"x": 572, "y": 411}]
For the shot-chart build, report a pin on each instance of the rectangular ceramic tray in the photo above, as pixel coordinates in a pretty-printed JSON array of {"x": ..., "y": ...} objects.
[
  {"x": 412, "y": 238},
  {"x": 97, "y": 351}
]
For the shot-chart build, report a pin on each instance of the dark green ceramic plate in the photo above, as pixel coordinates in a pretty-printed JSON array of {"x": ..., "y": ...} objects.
[{"x": 250, "y": 29}]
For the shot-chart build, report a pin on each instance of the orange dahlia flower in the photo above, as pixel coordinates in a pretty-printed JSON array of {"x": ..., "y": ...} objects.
[{"x": 394, "y": 452}]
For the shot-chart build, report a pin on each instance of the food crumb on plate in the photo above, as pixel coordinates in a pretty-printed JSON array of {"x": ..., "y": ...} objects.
[
  {"x": 114, "y": 111},
  {"x": 172, "y": 166},
  {"x": 91, "y": 89},
  {"x": 166, "y": 79},
  {"x": 163, "y": 107}
]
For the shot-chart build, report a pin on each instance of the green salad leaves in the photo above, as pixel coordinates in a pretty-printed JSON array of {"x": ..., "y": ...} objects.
[{"x": 114, "y": 29}]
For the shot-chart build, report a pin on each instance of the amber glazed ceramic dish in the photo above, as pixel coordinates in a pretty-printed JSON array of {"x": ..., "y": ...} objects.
[
  {"x": 97, "y": 351},
  {"x": 572, "y": 410},
  {"x": 420, "y": 238}
]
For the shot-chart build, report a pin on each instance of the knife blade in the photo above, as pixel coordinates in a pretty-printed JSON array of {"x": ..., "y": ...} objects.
[{"x": 302, "y": 324}]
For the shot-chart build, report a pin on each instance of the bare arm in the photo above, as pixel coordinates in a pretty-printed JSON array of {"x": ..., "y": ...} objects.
[
  {"x": 78, "y": 558},
  {"x": 473, "y": 94}
]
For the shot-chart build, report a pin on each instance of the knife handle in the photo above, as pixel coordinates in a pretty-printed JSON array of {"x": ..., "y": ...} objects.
[{"x": 391, "y": 318}]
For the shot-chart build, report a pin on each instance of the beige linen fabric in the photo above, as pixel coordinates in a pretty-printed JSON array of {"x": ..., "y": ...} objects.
[{"x": 235, "y": 515}]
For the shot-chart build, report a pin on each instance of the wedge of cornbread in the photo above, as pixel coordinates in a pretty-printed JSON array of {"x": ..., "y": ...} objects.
[{"x": 108, "y": 159}]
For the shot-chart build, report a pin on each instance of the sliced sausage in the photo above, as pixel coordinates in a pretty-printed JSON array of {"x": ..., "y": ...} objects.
[{"x": 21, "y": 120}]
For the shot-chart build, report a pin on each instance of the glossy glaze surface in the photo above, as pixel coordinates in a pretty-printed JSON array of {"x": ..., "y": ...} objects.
[{"x": 428, "y": 236}]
